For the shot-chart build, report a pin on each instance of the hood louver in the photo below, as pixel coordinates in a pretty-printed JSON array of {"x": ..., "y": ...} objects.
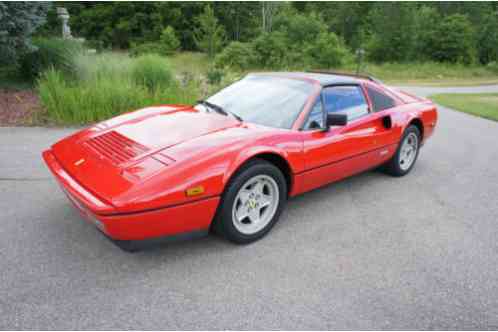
[{"x": 116, "y": 147}]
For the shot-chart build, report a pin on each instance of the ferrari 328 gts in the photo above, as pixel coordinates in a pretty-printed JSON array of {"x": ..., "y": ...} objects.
[{"x": 230, "y": 162}]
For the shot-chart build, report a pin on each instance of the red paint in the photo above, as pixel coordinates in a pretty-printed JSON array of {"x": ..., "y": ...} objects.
[{"x": 131, "y": 172}]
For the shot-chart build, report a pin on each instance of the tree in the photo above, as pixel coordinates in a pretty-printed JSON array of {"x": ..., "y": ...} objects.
[
  {"x": 391, "y": 37},
  {"x": 268, "y": 11},
  {"x": 455, "y": 40},
  {"x": 426, "y": 35},
  {"x": 327, "y": 51},
  {"x": 487, "y": 38},
  {"x": 240, "y": 19},
  {"x": 169, "y": 42},
  {"x": 18, "y": 21},
  {"x": 209, "y": 35}
]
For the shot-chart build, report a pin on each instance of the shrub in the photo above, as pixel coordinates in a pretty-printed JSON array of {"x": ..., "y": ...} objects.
[
  {"x": 50, "y": 52},
  {"x": 18, "y": 21},
  {"x": 146, "y": 48},
  {"x": 493, "y": 66},
  {"x": 327, "y": 51},
  {"x": 271, "y": 50},
  {"x": 236, "y": 55},
  {"x": 152, "y": 71},
  {"x": 169, "y": 41},
  {"x": 454, "y": 40},
  {"x": 214, "y": 75},
  {"x": 298, "y": 28}
]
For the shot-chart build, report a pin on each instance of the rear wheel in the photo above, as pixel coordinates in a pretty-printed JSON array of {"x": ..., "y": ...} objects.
[
  {"x": 252, "y": 202},
  {"x": 403, "y": 160}
]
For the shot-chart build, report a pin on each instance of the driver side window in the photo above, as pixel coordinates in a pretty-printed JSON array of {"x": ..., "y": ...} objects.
[{"x": 348, "y": 99}]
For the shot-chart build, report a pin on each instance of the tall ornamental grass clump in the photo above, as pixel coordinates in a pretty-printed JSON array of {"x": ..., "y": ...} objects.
[
  {"x": 107, "y": 85},
  {"x": 152, "y": 71},
  {"x": 50, "y": 52}
]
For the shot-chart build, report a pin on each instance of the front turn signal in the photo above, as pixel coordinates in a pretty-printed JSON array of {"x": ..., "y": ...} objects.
[{"x": 194, "y": 191}]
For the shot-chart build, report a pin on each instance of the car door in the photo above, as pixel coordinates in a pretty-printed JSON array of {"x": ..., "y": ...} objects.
[{"x": 341, "y": 151}]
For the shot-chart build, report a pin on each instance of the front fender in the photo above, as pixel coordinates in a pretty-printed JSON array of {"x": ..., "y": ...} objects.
[{"x": 253, "y": 152}]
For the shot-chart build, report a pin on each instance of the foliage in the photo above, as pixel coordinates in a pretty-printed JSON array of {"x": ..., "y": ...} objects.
[
  {"x": 389, "y": 31},
  {"x": 236, "y": 55},
  {"x": 327, "y": 51},
  {"x": 271, "y": 50},
  {"x": 152, "y": 71},
  {"x": 391, "y": 39},
  {"x": 297, "y": 41},
  {"x": 268, "y": 9},
  {"x": 169, "y": 41},
  {"x": 426, "y": 21},
  {"x": 240, "y": 19},
  {"x": 18, "y": 21},
  {"x": 209, "y": 35},
  {"x": 146, "y": 48},
  {"x": 487, "y": 38},
  {"x": 214, "y": 75},
  {"x": 298, "y": 28},
  {"x": 455, "y": 42},
  {"x": 49, "y": 52},
  {"x": 107, "y": 85},
  {"x": 195, "y": 63},
  {"x": 493, "y": 66}
]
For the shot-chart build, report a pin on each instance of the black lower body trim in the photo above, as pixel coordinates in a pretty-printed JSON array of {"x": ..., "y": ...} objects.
[{"x": 138, "y": 245}]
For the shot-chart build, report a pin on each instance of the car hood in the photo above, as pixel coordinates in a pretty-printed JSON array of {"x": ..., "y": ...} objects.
[
  {"x": 116, "y": 155},
  {"x": 162, "y": 127}
]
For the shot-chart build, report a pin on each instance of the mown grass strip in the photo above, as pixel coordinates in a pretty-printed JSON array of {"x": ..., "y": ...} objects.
[{"x": 484, "y": 105}]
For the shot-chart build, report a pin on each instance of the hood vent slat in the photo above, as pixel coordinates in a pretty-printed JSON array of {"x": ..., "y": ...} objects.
[{"x": 116, "y": 147}]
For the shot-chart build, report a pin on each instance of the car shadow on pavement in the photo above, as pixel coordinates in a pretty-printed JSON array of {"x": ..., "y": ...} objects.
[{"x": 86, "y": 238}]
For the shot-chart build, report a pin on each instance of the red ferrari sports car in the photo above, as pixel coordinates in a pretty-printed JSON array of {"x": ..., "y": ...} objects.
[{"x": 230, "y": 162}]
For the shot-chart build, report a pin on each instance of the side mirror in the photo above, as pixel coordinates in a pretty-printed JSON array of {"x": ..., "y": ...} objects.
[{"x": 336, "y": 119}]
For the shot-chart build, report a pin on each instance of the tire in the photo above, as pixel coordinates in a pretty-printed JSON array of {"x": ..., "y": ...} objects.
[
  {"x": 258, "y": 189},
  {"x": 401, "y": 163}
]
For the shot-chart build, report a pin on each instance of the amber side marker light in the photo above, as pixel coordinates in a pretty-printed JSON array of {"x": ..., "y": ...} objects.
[{"x": 194, "y": 191}]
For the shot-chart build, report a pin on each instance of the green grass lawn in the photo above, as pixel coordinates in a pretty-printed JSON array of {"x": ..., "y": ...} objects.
[{"x": 483, "y": 104}]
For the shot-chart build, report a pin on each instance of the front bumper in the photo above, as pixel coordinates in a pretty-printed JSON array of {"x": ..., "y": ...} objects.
[{"x": 168, "y": 221}]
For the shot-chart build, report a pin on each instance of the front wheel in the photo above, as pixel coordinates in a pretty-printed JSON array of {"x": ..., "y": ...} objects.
[
  {"x": 403, "y": 160},
  {"x": 252, "y": 202}
]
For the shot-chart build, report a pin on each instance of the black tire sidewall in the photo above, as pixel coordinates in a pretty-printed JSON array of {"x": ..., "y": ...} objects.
[
  {"x": 224, "y": 219},
  {"x": 398, "y": 169}
]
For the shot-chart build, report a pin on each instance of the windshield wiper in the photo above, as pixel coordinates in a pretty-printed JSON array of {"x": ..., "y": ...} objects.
[{"x": 218, "y": 109}]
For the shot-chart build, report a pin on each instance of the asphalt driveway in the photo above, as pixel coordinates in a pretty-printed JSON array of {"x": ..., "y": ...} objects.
[{"x": 370, "y": 252}]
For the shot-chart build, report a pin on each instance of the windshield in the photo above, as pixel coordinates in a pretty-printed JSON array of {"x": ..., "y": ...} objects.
[{"x": 267, "y": 100}]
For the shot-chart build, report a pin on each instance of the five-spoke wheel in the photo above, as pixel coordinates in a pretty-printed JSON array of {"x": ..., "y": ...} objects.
[
  {"x": 406, "y": 155},
  {"x": 255, "y": 204},
  {"x": 252, "y": 202}
]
